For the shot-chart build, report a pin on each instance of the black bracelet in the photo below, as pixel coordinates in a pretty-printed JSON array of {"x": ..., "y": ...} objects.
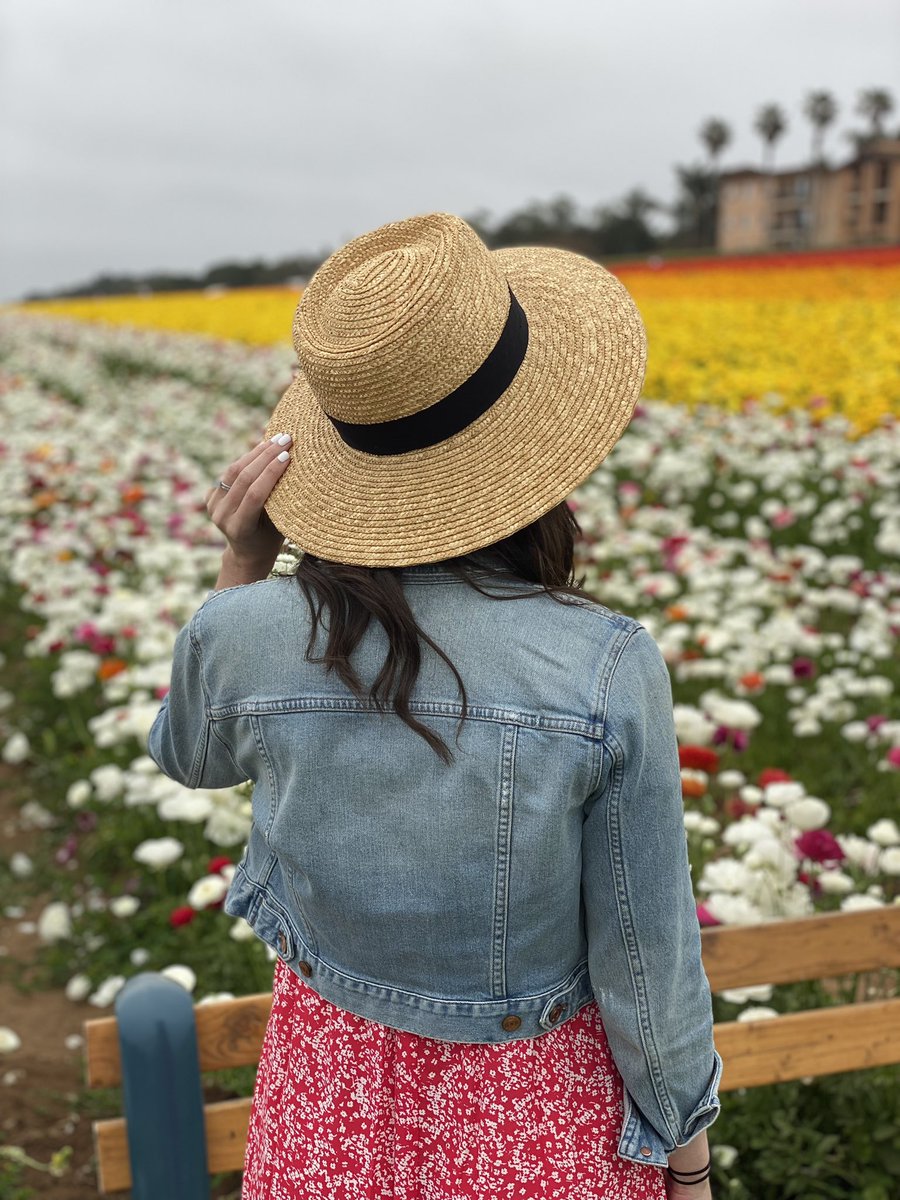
[{"x": 699, "y": 1176}]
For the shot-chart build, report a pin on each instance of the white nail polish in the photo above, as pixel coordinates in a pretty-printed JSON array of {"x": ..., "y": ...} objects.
[
  {"x": 283, "y": 439},
  {"x": 283, "y": 456}
]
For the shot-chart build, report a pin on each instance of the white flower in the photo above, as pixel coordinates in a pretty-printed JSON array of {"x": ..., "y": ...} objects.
[
  {"x": 181, "y": 974},
  {"x": 206, "y": 891},
  {"x": 885, "y": 832},
  {"x": 78, "y": 987},
  {"x": 241, "y": 931},
  {"x": 107, "y": 991},
  {"x": 691, "y": 726},
  {"x": 889, "y": 862},
  {"x": 860, "y": 903},
  {"x": 693, "y": 775},
  {"x": 724, "y": 875},
  {"x": 185, "y": 806},
  {"x": 735, "y": 714},
  {"x": 17, "y": 749},
  {"x": 74, "y": 1041},
  {"x": 780, "y": 794},
  {"x": 159, "y": 852},
  {"x": 808, "y": 813},
  {"x": 9, "y": 1040},
  {"x": 725, "y": 1156},
  {"x": 758, "y": 1013},
  {"x": 21, "y": 865},
  {"x": 733, "y": 910},
  {"x": 760, "y": 991},
  {"x": 215, "y": 997},
  {"x": 860, "y": 852},
  {"x": 732, "y": 778},
  {"x": 138, "y": 956},
  {"x": 54, "y": 923},
  {"x": 124, "y": 906},
  {"x": 855, "y": 731},
  {"x": 109, "y": 781},
  {"x": 835, "y": 883},
  {"x": 78, "y": 793},
  {"x": 751, "y": 794},
  {"x": 745, "y": 832},
  {"x": 770, "y": 853}
]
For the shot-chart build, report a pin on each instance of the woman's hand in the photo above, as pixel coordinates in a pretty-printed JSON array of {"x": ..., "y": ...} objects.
[
  {"x": 679, "y": 1191},
  {"x": 253, "y": 541}
]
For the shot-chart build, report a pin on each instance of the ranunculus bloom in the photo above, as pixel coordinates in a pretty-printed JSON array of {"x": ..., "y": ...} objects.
[
  {"x": 215, "y": 865},
  {"x": 893, "y": 756},
  {"x": 699, "y": 758},
  {"x": 803, "y": 668},
  {"x": 820, "y": 846},
  {"x": 772, "y": 775},
  {"x": 705, "y": 917},
  {"x": 181, "y": 916}
]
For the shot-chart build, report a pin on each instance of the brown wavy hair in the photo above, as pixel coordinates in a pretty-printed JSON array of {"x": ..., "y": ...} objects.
[{"x": 543, "y": 553}]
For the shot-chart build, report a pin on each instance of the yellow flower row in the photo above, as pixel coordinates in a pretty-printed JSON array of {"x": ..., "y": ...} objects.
[{"x": 812, "y": 337}]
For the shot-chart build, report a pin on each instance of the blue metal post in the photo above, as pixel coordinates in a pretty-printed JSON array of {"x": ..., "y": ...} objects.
[{"x": 161, "y": 1089}]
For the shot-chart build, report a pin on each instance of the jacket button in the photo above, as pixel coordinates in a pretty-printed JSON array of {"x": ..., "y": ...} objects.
[
  {"x": 511, "y": 1022},
  {"x": 646, "y": 1151},
  {"x": 556, "y": 1012},
  {"x": 305, "y": 968},
  {"x": 282, "y": 943}
]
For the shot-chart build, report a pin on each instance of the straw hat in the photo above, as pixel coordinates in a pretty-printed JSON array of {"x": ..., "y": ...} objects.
[{"x": 448, "y": 394}]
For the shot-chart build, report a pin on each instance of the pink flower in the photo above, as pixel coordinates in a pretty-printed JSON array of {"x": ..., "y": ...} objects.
[
  {"x": 875, "y": 722},
  {"x": 705, "y": 917},
  {"x": 783, "y": 518},
  {"x": 893, "y": 756},
  {"x": 820, "y": 846}
]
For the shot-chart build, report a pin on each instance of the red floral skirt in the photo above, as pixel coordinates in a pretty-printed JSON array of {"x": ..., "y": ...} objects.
[{"x": 345, "y": 1108}]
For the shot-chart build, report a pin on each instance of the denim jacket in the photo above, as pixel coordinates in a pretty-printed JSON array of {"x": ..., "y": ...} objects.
[{"x": 483, "y": 901}]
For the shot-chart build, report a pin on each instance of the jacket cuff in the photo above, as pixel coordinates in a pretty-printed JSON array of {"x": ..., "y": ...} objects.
[{"x": 640, "y": 1142}]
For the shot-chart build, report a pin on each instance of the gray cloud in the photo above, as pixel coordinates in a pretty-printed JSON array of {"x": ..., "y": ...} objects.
[{"x": 173, "y": 134}]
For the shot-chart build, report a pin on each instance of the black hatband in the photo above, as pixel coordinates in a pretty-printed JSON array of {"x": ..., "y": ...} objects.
[{"x": 463, "y": 406}]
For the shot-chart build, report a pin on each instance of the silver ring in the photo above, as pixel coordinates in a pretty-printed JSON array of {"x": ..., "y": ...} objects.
[{"x": 224, "y": 486}]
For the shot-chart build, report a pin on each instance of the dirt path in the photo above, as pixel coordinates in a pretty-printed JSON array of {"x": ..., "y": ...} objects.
[{"x": 43, "y": 1101}]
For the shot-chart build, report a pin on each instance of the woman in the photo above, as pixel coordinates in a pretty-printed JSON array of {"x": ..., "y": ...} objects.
[{"x": 488, "y": 979}]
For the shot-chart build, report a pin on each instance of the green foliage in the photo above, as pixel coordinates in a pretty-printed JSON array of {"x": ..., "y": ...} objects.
[{"x": 832, "y": 1139}]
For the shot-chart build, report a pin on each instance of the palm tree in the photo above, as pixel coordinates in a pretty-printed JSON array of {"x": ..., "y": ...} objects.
[
  {"x": 770, "y": 124},
  {"x": 821, "y": 109},
  {"x": 875, "y": 103},
  {"x": 715, "y": 135}
]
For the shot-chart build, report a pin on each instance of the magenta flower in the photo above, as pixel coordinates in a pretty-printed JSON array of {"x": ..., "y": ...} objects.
[
  {"x": 705, "y": 917},
  {"x": 803, "y": 668},
  {"x": 893, "y": 756},
  {"x": 820, "y": 846}
]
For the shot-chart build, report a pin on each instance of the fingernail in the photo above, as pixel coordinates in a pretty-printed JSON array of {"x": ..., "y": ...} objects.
[
  {"x": 283, "y": 439},
  {"x": 275, "y": 437},
  {"x": 283, "y": 456}
]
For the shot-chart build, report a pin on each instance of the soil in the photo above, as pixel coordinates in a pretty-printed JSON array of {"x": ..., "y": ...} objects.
[{"x": 41, "y": 1083}]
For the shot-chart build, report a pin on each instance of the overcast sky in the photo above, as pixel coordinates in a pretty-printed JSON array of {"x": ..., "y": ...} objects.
[{"x": 172, "y": 134}]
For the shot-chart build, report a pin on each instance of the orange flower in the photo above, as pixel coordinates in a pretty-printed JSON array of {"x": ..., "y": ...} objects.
[
  {"x": 692, "y": 787},
  {"x": 676, "y": 612},
  {"x": 110, "y": 667},
  {"x": 65, "y": 556},
  {"x": 753, "y": 681},
  {"x": 131, "y": 495},
  {"x": 44, "y": 499}
]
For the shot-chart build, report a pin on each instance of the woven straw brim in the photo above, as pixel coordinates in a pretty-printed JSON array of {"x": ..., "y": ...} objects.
[{"x": 568, "y": 405}]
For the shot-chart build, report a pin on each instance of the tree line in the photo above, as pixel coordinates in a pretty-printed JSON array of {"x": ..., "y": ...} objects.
[{"x": 610, "y": 230}]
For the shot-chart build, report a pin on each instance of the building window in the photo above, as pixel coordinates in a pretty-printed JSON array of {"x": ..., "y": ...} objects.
[
  {"x": 879, "y": 212},
  {"x": 884, "y": 174},
  {"x": 801, "y": 186}
]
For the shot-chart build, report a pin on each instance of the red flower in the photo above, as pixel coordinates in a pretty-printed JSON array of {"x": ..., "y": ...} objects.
[
  {"x": 820, "y": 846},
  {"x": 215, "y": 865},
  {"x": 698, "y": 758},
  {"x": 181, "y": 916},
  {"x": 811, "y": 881},
  {"x": 803, "y": 668},
  {"x": 772, "y": 775}
]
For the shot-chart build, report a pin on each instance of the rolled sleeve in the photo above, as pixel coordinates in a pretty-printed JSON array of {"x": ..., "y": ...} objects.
[
  {"x": 644, "y": 949},
  {"x": 183, "y": 741}
]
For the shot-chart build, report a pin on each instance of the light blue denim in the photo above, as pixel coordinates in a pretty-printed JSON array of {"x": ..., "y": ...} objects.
[{"x": 546, "y": 867}]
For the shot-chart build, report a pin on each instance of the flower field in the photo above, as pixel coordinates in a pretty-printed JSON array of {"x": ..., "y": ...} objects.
[
  {"x": 753, "y": 530},
  {"x": 811, "y": 330}
]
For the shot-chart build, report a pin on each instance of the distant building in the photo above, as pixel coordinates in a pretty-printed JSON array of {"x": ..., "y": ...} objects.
[{"x": 854, "y": 204}]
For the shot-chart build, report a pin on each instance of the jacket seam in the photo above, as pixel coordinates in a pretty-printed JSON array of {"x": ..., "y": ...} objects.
[
  {"x": 576, "y": 727},
  {"x": 202, "y": 750},
  {"x": 273, "y": 791},
  {"x": 604, "y": 681},
  {"x": 501, "y": 874},
  {"x": 635, "y": 965}
]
